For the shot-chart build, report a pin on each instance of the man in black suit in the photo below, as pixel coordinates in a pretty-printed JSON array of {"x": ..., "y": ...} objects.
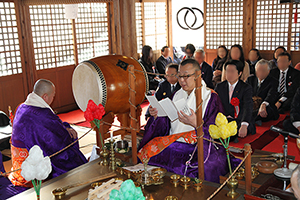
[
  {"x": 288, "y": 79},
  {"x": 293, "y": 124},
  {"x": 163, "y": 60},
  {"x": 236, "y": 97},
  {"x": 167, "y": 87},
  {"x": 264, "y": 88},
  {"x": 206, "y": 69}
]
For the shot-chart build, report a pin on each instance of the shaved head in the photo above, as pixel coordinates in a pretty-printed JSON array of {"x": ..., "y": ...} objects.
[{"x": 45, "y": 89}]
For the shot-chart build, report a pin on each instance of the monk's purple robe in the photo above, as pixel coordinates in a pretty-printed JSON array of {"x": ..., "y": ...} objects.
[
  {"x": 39, "y": 126},
  {"x": 174, "y": 157}
]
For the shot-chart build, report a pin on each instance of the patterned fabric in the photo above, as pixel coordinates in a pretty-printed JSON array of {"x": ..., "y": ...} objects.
[
  {"x": 18, "y": 157},
  {"x": 158, "y": 144}
]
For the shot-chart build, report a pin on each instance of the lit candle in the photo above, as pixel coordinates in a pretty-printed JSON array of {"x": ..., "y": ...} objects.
[{"x": 111, "y": 135}]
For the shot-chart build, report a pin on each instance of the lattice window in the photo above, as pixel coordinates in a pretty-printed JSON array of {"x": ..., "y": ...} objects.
[
  {"x": 52, "y": 36},
  {"x": 224, "y": 23},
  {"x": 92, "y": 30},
  {"x": 295, "y": 37},
  {"x": 272, "y": 23},
  {"x": 155, "y": 22},
  {"x": 139, "y": 26},
  {"x": 10, "y": 59}
]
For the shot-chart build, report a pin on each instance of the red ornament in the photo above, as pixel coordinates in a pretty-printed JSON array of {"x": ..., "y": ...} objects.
[
  {"x": 235, "y": 102},
  {"x": 93, "y": 111}
]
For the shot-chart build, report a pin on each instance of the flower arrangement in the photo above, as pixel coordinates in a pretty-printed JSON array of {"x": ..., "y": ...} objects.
[
  {"x": 222, "y": 131},
  {"x": 36, "y": 168},
  {"x": 127, "y": 191},
  {"x": 94, "y": 113}
]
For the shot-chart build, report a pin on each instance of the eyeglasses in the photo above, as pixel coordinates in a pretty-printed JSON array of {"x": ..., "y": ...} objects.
[
  {"x": 185, "y": 77},
  {"x": 170, "y": 75}
]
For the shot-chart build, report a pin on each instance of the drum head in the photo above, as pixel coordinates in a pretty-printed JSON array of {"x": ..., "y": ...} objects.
[{"x": 86, "y": 85}]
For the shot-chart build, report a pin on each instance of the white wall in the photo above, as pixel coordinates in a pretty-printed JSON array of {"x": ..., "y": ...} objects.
[{"x": 182, "y": 37}]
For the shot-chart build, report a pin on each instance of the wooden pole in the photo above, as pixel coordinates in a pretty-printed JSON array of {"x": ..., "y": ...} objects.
[
  {"x": 248, "y": 181},
  {"x": 199, "y": 125},
  {"x": 132, "y": 112},
  {"x": 75, "y": 50}
]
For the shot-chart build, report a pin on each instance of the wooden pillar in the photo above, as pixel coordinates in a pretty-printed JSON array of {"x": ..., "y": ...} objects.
[
  {"x": 133, "y": 113},
  {"x": 199, "y": 127},
  {"x": 248, "y": 35},
  {"x": 169, "y": 26},
  {"x": 248, "y": 180},
  {"x": 74, "y": 42},
  {"x": 128, "y": 28}
]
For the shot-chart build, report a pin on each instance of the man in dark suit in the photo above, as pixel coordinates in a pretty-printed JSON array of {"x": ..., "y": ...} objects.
[
  {"x": 288, "y": 79},
  {"x": 206, "y": 69},
  {"x": 293, "y": 124},
  {"x": 236, "y": 97},
  {"x": 264, "y": 89},
  {"x": 163, "y": 60},
  {"x": 169, "y": 86}
]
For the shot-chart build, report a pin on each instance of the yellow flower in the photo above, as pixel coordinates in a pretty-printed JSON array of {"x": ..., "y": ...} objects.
[
  {"x": 224, "y": 132},
  {"x": 214, "y": 131},
  {"x": 221, "y": 120},
  {"x": 232, "y": 127}
]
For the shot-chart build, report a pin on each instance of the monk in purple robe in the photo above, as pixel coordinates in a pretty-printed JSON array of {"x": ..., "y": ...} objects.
[
  {"x": 178, "y": 157},
  {"x": 36, "y": 124}
]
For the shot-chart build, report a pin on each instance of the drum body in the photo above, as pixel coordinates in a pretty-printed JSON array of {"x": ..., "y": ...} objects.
[{"x": 105, "y": 80}]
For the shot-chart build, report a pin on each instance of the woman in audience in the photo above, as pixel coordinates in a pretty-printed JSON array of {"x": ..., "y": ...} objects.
[
  {"x": 147, "y": 61},
  {"x": 254, "y": 57},
  {"x": 278, "y": 50},
  {"x": 236, "y": 97},
  {"x": 236, "y": 53},
  {"x": 218, "y": 63},
  {"x": 189, "y": 51}
]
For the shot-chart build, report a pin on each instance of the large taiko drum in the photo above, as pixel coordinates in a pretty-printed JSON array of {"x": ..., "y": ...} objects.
[{"x": 105, "y": 80}]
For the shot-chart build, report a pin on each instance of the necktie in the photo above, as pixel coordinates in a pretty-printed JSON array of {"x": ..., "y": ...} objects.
[
  {"x": 282, "y": 84},
  {"x": 230, "y": 92},
  {"x": 172, "y": 88}
]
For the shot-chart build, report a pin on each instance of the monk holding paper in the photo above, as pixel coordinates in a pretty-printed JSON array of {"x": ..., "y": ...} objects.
[{"x": 171, "y": 144}]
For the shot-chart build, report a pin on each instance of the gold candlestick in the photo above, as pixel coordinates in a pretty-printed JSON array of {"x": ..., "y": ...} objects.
[
  {"x": 104, "y": 154},
  {"x": 112, "y": 156}
]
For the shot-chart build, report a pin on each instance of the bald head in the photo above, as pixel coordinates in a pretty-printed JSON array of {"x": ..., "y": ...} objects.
[{"x": 45, "y": 89}]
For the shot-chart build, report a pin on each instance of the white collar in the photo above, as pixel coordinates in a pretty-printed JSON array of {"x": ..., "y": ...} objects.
[
  {"x": 233, "y": 85},
  {"x": 285, "y": 71},
  {"x": 37, "y": 101}
]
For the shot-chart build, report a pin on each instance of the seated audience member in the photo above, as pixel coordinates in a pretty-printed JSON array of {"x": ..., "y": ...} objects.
[
  {"x": 295, "y": 182},
  {"x": 236, "y": 97},
  {"x": 147, "y": 61},
  {"x": 218, "y": 63},
  {"x": 167, "y": 87},
  {"x": 277, "y": 51},
  {"x": 163, "y": 60},
  {"x": 176, "y": 56},
  {"x": 293, "y": 124},
  {"x": 36, "y": 124},
  {"x": 254, "y": 57},
  {"x": 297, "y": 66},
  {"x": 264, "y": 88},
  {"x": 236, "y": 53},
  {"x": 189, "y": 51},
  {"x": 206, "y": 70},
  {"x": 288, "y": 81},
  {"x": 174, "y": 156}
]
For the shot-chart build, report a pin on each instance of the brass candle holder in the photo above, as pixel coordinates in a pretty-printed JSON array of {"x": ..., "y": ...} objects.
[
  {"x": 112, "y": 156},
  {"x": 104, "y": 154},
  {"x": 232, "y": 184},
  {"x": 175, "y": 179},
  {"x": 185, "y": 182}
]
